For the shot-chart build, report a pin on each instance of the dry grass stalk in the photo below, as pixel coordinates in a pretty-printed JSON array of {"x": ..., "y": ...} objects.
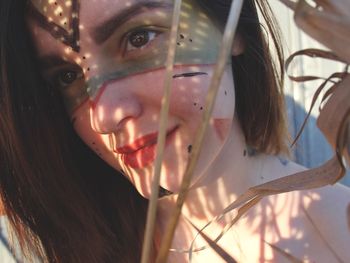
[
  {"x": 152, "y": 208},
  {"x": 213, "y": 244},
  {"x": 328, "y": 173},
  {"x": 210, "y": 99}
]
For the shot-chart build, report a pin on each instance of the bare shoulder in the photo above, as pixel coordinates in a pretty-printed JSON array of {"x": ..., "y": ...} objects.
[
  {"x": 328, "y": 207},
  {"x": 313, "y": 225}
]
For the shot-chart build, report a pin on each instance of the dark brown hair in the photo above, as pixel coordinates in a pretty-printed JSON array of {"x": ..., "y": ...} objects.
[{"x": 64, "y": 203}]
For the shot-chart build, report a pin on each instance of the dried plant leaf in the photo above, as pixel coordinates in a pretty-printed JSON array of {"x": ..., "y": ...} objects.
[
  {"x": 328, "y": 23},
  {"x": 313, "y": 53},
  {"x": 287, "y": 255},
  {"x": 314, "y": 99},
  {"x": 329, "y": 173},
  {"x": 334, "y": 118}
]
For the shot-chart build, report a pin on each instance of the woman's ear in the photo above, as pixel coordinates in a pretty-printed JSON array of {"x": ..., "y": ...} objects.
[{"x": 238, "y": 45}]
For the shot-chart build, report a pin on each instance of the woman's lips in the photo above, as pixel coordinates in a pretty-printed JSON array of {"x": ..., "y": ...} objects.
[{"x": 142, "y": 151}]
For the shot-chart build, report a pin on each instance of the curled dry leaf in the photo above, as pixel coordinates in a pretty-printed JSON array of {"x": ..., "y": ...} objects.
[{"x": 328, "y": 22}]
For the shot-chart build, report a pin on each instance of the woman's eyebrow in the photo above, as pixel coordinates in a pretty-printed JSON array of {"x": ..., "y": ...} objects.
[
  {"x": 103, "y": 31},
  {"x": 51, "y": 61}
]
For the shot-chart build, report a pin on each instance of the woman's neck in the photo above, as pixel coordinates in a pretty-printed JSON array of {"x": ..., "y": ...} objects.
[{"x": 230, "y": 175}]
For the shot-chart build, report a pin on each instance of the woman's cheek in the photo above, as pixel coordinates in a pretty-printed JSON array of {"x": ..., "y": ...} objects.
[
  {"x": 99, "y": 143},
  {"x": 222, "y": 128}
]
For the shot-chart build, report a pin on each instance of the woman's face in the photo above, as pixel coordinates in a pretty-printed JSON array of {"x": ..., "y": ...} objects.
[{"x": 108, "y": 60}]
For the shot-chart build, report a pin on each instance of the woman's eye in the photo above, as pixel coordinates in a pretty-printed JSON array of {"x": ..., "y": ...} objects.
[
  {"x": 66, "y": 78},
  {"x": 139, "y": 39}
]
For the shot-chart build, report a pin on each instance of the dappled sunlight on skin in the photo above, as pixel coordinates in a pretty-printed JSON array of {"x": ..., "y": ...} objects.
[
  {"x": 282, "y": 220},
  {"x": 129, "y": 124},
  {"x": 119, "y": 79},
  {"x": 115, "y": 74}
]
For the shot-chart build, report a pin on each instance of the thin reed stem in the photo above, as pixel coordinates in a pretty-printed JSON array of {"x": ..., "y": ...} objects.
[
  {"x": 225, "y": 51},
  {"x": 163, "y": 123}
]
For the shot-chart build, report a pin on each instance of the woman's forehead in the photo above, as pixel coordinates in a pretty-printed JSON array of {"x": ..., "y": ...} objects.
[
  {"x": 89, "y": 12},
  {"x": 88, "y": 23},
  {"x": 77, "y": 23}
]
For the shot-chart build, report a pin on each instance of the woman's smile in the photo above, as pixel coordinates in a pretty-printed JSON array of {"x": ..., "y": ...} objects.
[{"x": 142, "y": 152}]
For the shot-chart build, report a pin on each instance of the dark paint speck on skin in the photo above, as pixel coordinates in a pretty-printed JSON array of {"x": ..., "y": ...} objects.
[
  {"x": 88, "y": 69},
  {"x": 195, "y": 104},
  {"x": 178, "y": 43},
  {"x": 225, "y": 92},
  {"x": 189, "y": 148},
  {"x": 201, "y": 108},
  {"x": 84, "y": 57},
  {"x": 189, "y": 74},
  {"x": 68, "y": 38},
  {"x": 245, "y": 153},
  {"x": 190, "y": 40},
  {"x": 182, "y": 36}
]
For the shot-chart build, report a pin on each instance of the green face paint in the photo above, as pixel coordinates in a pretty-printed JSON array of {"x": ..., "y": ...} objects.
[
  {"x": 198, "y": 43},
  {"x": 140, "y": 44}
]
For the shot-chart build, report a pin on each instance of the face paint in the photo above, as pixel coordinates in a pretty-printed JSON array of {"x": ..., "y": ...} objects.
[
  {"x": 139, "y": 44},
  {"x": 152, "y": 55},
  {"x": 59, "y": 18},
  {"x": 222, "y": 127},
  {"x": 117, "y": 84}
]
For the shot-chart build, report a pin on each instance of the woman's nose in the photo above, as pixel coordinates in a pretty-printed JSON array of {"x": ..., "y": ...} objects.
[{"x": 111, "y": 108}]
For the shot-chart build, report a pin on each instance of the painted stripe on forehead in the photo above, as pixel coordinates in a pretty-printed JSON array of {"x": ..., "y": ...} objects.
[
  {"x": 95, "y": 83},
  {"x": 68, "y": 37}
]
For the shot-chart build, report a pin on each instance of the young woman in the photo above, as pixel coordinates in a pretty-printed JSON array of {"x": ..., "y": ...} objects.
[{"x": 98, "y": 69}]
